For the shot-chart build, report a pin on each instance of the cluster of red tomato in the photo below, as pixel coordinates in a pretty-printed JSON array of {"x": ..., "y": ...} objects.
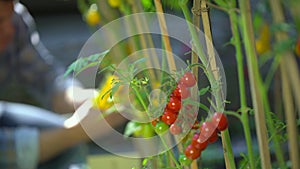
[
  {"x": 173, "y": 107},
  {"x": 208, "y": 134}
]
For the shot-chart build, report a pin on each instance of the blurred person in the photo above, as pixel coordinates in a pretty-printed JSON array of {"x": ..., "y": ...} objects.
[{"x": 30, "y": 75}]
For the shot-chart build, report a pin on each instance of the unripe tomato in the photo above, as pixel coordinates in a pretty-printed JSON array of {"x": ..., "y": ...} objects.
[
  {"x": 161, "y": 127},
  {"x": 184, "y": 160},
  {"x": 114, "y": 3},
  {"x": 92, "y": 16},
  {"x": 147, "y": 130}
]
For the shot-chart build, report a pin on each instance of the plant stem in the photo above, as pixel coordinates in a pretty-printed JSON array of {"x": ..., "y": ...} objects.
[
  {"x": 290, "y": 79},
  {"x": 196, "y": 22},
  {"x": 228, "y": 155},
  {"x": 170, "y": 153},
  {"x": 240, "y": 63},
  {"x": 259, "y": 113},
  {"x": 213, "y": 79}
]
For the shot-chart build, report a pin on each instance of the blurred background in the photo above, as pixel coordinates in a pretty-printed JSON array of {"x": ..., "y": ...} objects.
[{"x": 63, "y": 32}]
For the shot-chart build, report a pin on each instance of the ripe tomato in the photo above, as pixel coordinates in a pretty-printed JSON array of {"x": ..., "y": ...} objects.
[
  {"x": 174, "y": 104},
  {"x": 169, "y": 117},
  {"x": 207, "y": 129},
  {"x": 184, "y": 160},
  {"x": 153, "y": 122},
  {"x": 213, "y": 138},
  {"x": 181, "y": 92},
  {"x": 199, "y": 142},
  {"x": 191, "y": 152},
  {"x": 161, "y": 127},
  {"x": 188, "y": 79},
  {"x": 175, "y": 129},
  {"x": 220, "y": 121},
  {"x": 297, "y": 47}
]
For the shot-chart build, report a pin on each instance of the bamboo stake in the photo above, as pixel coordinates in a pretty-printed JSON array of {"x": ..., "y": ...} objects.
[
  {"x": 165, "y": 38},
  {"x": 196, "y": 21},
  {"x": 143, "y": 40},
  {"x": 213, "y": 65},
  {"x": 290, "y": 78},
  {"x": 290, "y": 118},
  {"x": 259, "y": 112}
]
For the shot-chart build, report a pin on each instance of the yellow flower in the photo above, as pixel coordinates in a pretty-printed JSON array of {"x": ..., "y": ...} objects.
[
  {"x": 263, "y": 43},
  {"x": 92, "y": 16},
  {"x": 114, "y": 3},
  {"x": 103, "y": 101}
]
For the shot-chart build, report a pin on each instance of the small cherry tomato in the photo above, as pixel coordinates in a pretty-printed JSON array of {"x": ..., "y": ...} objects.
[
  {"x": 196, "y": 125},
  {"x": 147, "y": 130},
  {"x": 188, "y": 79},
  {"x": 153, "y": 122},
  {"x": 114, "y": 3},
  {"x": 161, "y": 127},
  {"x": 220, "y": 121},
  {"x": 174, "y": 104},
  {"x": 213, "y": 138},
  {"x": 169, "y": 117},
  {"x": 184, "y": 160},
  {"x": 199, "y": 142},
  {"x": 191, "y": 152},
  {"x": 92, "y": 16},
  {"x": 175, "y": 129},
  {"x": 181, "y": 92},
  {"x": 207, "y": 129}
]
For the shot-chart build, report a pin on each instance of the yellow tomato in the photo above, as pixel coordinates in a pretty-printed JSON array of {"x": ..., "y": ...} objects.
[
  {"x": 114, "y": 3},
  {"x": 263, "y": 42},
  {"x": 92, "y": 17},
  {"x": 103, "y": 101}
]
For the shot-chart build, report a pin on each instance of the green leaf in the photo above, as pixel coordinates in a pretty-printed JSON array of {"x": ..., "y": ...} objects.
[
  {"x": 283, "y": 46},
  {"x": 203, "y": 91},
  {"x": 221, "y": 3},
  {"x": 85, "y": 62}
]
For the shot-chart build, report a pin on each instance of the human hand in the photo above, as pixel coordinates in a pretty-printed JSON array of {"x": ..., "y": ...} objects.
[{"x": 90, "y": 123}]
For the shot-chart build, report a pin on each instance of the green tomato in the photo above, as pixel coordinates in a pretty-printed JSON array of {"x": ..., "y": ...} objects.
[
  {"x": 147, "y": 130},
  {"x": 161, "y": 127},
  {"x": 147, "y": 3},
  {"x": 184, "y": 161}
]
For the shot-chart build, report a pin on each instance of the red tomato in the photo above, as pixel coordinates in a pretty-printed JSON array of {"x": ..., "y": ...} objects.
[
  {"x": 175, "y": 129},
  {"x": 213, "y": 138},
  {"x": 188, "y": 79},
  {"x": 174, "y": 104},
  {"x": 191, "y": 152},
  {"x": 181, "y": 92},
  {"x": 199, "y": 142},
  {"x": 220, "y": 121},
  {"x": 169, "y": 117},
  {"x": 154, "y": 122},
  {"x": 207, "y": 129}
]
